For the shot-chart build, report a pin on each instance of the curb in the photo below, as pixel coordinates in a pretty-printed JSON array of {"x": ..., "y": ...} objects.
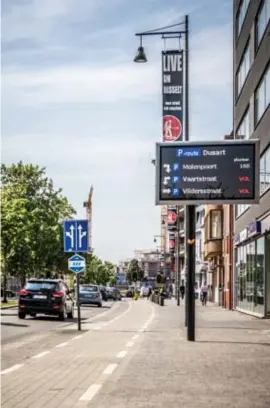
[{"x": 8, "y": 307}]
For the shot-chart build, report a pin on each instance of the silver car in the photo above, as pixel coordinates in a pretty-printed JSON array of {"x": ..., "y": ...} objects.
[{"x": 90, "y": 295}]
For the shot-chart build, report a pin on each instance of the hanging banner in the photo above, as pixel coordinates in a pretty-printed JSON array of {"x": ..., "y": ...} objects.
[
  {"x": 171, "y": 220},
  {"x": 172, "y": 95}
]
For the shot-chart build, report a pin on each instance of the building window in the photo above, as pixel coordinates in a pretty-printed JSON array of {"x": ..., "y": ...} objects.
[
  {"x": 216, "y": 224},
  {"x": 262, "y": 21},
  {"x": 243, "y": 69},
  {"x": 244, "y": 128},
  {"x": 241, "y": 15},
  {"x": 240, "y": 209},
  {"x": 250, "y": 262},
  {"x": 262, "y": 96},
  {"x": 265, "y": 171}
]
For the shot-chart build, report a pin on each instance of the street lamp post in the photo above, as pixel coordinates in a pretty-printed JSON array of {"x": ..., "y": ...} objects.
[{"x": 140, "y": 57}]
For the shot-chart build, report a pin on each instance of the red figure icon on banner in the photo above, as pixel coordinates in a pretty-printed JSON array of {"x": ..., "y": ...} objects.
[{"x": 172, "y": 128}]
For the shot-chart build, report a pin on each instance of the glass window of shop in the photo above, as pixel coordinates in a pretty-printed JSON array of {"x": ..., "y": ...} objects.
[{"x": 250, "y": 276}]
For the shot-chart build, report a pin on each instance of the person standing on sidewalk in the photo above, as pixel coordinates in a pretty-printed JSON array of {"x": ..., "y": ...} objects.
[{"x": 204, "y": 292}]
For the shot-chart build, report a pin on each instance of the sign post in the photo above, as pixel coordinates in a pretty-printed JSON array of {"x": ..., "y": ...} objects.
[
  {"x": 214, "y": 172},
  {"x": 76, "y": 239},
  {"x": 78, "y": 300},
  {"x": 76, "y": 264}
]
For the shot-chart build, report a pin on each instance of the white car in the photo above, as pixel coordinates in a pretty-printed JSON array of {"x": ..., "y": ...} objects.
[{"x": 144, "y": 291}]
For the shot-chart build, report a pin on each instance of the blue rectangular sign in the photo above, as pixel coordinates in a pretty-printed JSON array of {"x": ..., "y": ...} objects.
[{"x": 76, "y": 236}]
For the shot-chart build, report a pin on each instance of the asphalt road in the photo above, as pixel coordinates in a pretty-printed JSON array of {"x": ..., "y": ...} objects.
[{"x": 13, "y": 328}]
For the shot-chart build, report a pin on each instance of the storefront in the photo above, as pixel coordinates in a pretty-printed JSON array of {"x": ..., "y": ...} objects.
[{"x": 252, "y": 269}]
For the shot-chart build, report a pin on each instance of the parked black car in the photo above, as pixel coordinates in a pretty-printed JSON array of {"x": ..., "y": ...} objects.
[{"x": 46, "y": 296}]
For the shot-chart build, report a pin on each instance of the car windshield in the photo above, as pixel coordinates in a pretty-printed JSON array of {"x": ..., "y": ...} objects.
[
  {"x": 41, "y": 285},
  {"x": 88, "y": 289},
  {"x": 110, "y": 289}
]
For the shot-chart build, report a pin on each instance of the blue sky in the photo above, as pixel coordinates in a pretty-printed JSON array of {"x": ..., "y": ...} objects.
[{"x": 74, "y": 101}]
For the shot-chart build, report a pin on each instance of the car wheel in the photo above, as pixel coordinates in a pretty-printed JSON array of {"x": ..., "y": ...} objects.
[
  {"x": 70, "y": 315},
  {"x": 21, "y": 315},
  {"x": 63, "y": 314},
  {"x": 99, "y": 305}
]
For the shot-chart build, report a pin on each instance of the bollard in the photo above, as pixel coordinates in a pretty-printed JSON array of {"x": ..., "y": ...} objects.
[{"x": 161, "y": 301}]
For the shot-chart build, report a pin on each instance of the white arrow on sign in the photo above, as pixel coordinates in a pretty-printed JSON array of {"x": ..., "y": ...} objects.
[
  {"x": 167, "y": 168},
  {"x": 166, "y": 180},
  {"x": 81, "y": 235},
  {"x": 166, "y": 191},
  {"x": 71, "y": 235}
]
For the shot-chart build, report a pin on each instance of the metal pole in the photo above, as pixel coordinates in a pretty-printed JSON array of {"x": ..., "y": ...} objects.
[
  {"x": 187, "y": 139},
  {"x": 191, "y": 252},
  {"x": 178, "y": 257},
  {"x": 78, "y": 301}
]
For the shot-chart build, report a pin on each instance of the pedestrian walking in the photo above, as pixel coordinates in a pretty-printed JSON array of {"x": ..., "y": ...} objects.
[{"x": 204, "y": 292}]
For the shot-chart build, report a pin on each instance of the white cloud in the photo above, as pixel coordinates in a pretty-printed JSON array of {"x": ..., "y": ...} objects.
[
  {"x": 210, "y": 67},
  {"x": 60, "y": 148},
  {"x": 81, "y": 84}
]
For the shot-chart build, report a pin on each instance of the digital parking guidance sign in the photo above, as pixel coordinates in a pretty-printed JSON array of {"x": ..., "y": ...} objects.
[{"x": 225, "y": 172}]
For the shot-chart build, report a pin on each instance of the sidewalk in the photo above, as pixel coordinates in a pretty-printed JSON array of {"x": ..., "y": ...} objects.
[{"x": 228, "y": 365}]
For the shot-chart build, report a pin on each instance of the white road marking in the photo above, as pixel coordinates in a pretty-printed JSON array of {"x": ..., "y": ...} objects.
[
  {"x": 91, "y": 392},
  {"x": 41, "y": 354},
  {"x": 110, "y": 369},
  {"x": 62, "y": 344},
  {"x": 122, "y": 354},
  {"x": 96, "y": 327},
  {"x": 144, "y": 327},
  {"x": 121, "y": 315},
  {"x": 135, "y": 337},
  {"x": 12, "y": 368},
  {"x": 129, "y": 344},
  {"x": 78, "y": 337}
]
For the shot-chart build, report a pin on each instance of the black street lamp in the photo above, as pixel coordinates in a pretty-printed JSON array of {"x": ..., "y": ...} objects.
[
  {"x": 140, "y": 56},
  {"x": 168, "y": 32}
]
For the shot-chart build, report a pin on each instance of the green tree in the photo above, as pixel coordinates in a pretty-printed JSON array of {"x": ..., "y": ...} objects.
[
  {"x": 97, "y": 271},
  {"x": 134, "y": 272},
  {"x": 31, "y": 219}
]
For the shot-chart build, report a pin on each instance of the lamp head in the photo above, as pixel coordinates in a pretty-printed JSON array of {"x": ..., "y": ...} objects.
[{"x": 140, "y": 56}]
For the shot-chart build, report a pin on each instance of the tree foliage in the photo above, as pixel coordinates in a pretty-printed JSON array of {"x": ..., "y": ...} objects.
[
  {"x": 98, "y": 272},
  {"x": 134, "y": 273},
  {"x": 31, "y": 218}
]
